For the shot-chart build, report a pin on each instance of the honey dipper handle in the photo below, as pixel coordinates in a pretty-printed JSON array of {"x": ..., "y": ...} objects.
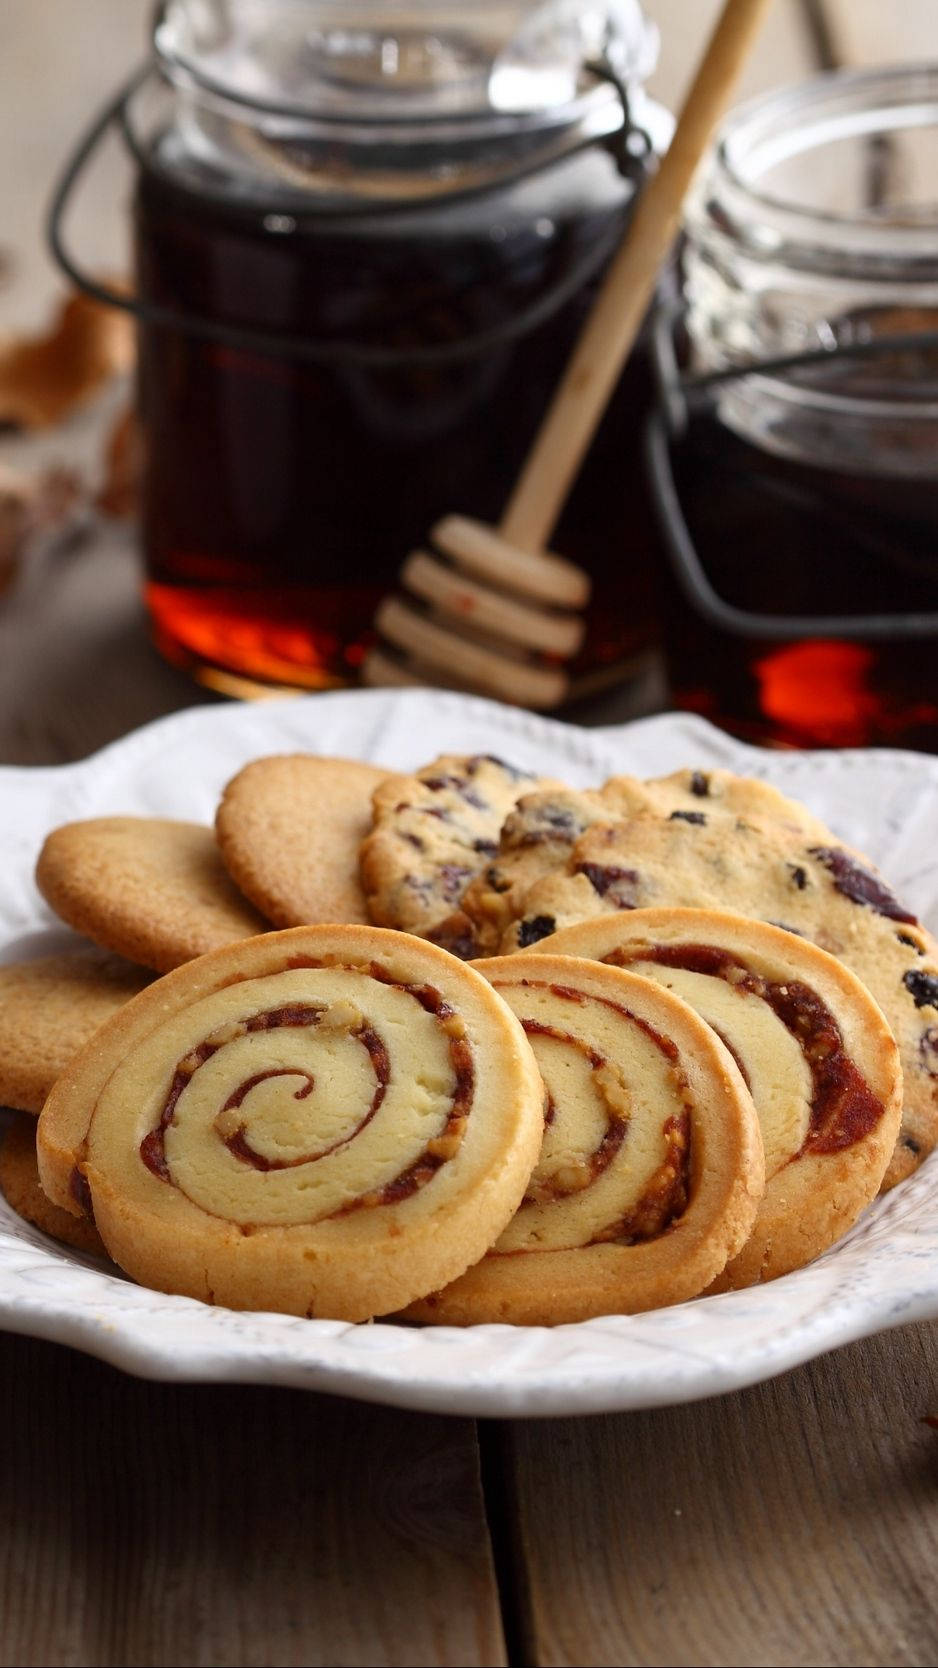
[{"x": 616, "y": 316}]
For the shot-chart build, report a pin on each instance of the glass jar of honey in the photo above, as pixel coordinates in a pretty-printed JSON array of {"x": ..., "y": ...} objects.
[
  {"x": 794, "y": 459},
  {"x": 366, "y": 235}
]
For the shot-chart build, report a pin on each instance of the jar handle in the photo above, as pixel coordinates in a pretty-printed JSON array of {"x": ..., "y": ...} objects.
[
  {"x": 85, "y": 148},
  {"x": 303, "y": 348},
  {"x": 678, "y": 399},
  {"x": 725, "y": 616}
]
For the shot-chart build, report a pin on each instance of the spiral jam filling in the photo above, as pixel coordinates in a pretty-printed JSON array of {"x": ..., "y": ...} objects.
[
  {"x": 664, "y": 1195},
  {"x": 341, "y": 1018},
  {"x": 842, "y": 1106}
]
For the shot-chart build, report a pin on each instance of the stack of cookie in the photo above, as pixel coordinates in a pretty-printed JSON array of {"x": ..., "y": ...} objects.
[{"x": 466, "y": 1045}]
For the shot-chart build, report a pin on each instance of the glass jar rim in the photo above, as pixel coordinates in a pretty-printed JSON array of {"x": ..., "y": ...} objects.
[
  {"x": 795, "y": 119},
  {"x": 596, "y": 104}
]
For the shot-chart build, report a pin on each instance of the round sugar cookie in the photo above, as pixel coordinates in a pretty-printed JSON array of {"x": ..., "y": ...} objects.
[
  {"x": 49, "y": 1008},
  {"x": 813, "y": 1046},
  {"x": 651, "y": 1167},
  {"x": 827, "y": 893},
  {"x": 324, "y": 1121},
  {"x": 19, "y": 1184},
  {"x": 153, "y": 890},
  {"x": 289, "y": 828}
]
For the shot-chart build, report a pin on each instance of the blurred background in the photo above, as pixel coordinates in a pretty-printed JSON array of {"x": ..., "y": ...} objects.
[
  {"x": 58, "y": 62},
  {"x": 58, "y": 59}
]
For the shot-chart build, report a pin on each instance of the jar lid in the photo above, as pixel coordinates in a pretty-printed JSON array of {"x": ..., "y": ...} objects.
[{"x": 367, "y": 61}]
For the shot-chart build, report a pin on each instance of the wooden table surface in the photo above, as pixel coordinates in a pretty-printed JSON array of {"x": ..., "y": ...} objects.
[{"x": 795, "y": 1522}]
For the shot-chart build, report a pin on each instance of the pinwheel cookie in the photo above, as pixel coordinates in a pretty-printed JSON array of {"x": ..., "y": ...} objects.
[
  {"x": 651, "y": 1168},
  {"x": 812, "y": 1044},
  {"x": 326, "y": 1121}
]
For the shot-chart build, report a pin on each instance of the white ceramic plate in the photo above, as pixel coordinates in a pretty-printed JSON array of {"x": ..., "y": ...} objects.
[{"x": 885, "y": 1272}]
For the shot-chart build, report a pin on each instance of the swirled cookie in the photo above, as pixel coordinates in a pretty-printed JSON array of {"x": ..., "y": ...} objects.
[
  {"x": 325, "y": 1121},
  {"x": 757, "y": 867},
  {"x": 651, "y": 1168},
  {"x": 433, "y": 832},
  {"x": 813, "y": 1046},
  {"x": 289, "y": 828},
  {"x": 19, "y": 1184},
  {"x": 153, "y": 890},
  {"x": 49, "y": 1008}
]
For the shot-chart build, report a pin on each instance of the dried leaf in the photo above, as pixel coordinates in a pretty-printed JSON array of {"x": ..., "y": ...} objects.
[{"x": 42, "y": 378}]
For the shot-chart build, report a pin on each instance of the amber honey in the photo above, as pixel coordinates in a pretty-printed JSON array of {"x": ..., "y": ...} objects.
[
  {"x": 804, "y": 456},
  {"x": 777, "y": 536},
  {"x": 282, "y": 495}
]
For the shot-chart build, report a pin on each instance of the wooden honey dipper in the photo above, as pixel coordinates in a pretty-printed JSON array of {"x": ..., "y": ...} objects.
[{"x": 510, "y": 641}]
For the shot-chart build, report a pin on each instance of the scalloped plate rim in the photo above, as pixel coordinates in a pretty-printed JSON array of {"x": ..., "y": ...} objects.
[{"x": 615, "y": 1363}]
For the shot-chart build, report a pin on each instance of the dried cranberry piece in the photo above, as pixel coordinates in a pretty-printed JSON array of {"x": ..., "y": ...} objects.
[
  {"x": 799, "y": 875},
  {"x": 913, "y": 943},
  {"x": 457, "y": 784},
  {"x": 497, "y": 880},
  {"x": 860, "y": 885},
  {"x": 456, "y": 935},
  {"x": 511, "y": 771},
  {"x": 928, "y": 1049},
  {"x": 610, "y": 882},
  {"x": 688, "y": 816},
  {"x": 453, "y": 880},
  {"x": 80, "y": 1190},
  {"x": 700, "y": 784},
  {"x": 551, "y": 822},
  {"x": 923, "y": 987},
  {"x": 539, "y": 926},
  {"x": 485, "y": 848}
]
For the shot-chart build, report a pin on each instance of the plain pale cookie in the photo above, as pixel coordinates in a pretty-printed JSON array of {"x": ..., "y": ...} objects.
[
  {"x": 49, "y": 1008},
  {"x": 289, "y": 828},
  {"x": 433, "y": 832},
  {"x": 19, "y": 1183},
  {"x": 326, "y": 1121},
  {"x": 154, "y": 891},
  {"x": 814, "y": 1048},
  {"x": 827, "y": 893},
  {"x": 651, "y": 1168}
]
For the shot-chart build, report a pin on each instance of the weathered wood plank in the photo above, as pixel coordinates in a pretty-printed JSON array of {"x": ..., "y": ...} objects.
[
  {"x": 161, "y": 1524},
  {"x": 793, "y": 1523}
]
